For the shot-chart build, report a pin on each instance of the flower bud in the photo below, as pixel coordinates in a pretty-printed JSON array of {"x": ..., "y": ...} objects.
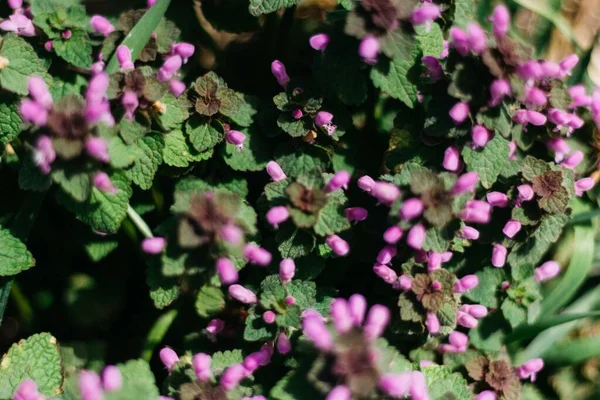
[
  {"x": 124, "y": 57},
  {"x": 236, "y": 138},
  {"x": 458, "y": 340},
  {"x": 38, "y": 90},
  {"x": 434, "y": 68},
  {"x": 452, "y": 161},
  {"x": 280, "y": 74},
  {"x": 101, "y": 25},
  {"x": 227, "y": 272},
  {"x": 499, "y": 89},
  {"x": 33, "y": 112},
  {"x": 459, "y": 112},
  {"x": 486, "y": 395},
  {"x": 97, "y": 148},
  {"x": 425, "y": 14},
  {"x": 466, "y": 283},
  {"x": 573, "y": 159},
  {"x": 103, "y": 183},
  {"x": 232, "y": 376},
  {"x": 232, "y": 234},
  {"x": 530, "y": 369},
  {"x": 183, "y": 50},
  {"x": 356, "y": 214},
  {"x": 340, "y": 316},
  {"x": 470, "y": 233},
  {"x": 530, "y": 70},
  {"x": 275, "y": 171},
  {"x": 477, "y": 211},
  {"x": 411, "y": 208},
  {"x": 111, "y": 378},
  {"x": 201, "y": 364},
  {"x": 520, "y": 117},
  {"x": 48, "y": 46},
  {"x": 154, "y": 245},
  {"x": 386, "y": 273},
  {"x": 277, "y": 215},
  {"x": 319, "y": 41},
  {"x": 242, "y": 294},
  {"x": 168, "y": 357},
  {"x": 366, "y": 183},
  {"x": 297, "y": 113},
  {"x": 416, "y": 236},
  {"x": 525, "y": 192},
  {"x": 385, "y": 192},
  {"x": 169, "y": 68},
  {"x": 512, "y": 150},
  {"x": 551, "y": 69},
  {"x": 130, "y": 104},
  {"x": 465, "y": 183},
  {"x": 369, "y": 49},
  {"x": 418, "y": 386},
  {"x": 358, "y": 308},
  {"x": 66, "y": 34},
  {"x": 497, "y": 199},
  {"x": 392, "y": 234},
  {"x": 458, "y": 38},
  {"x": 323, "y": 118},
  {"x": 579, "y": 96},
  {"x": 395, "y": 385},
  {"x": 377, "y": 319},
  {"x": 90, "y": 387},
  {"x": 15, "y": 5},
  {"x": 433, "y": 323},
  {"x": 339, "y": 246},
  {"x": 535, "y": 97},
  {"x": 386, "y": 254},
  {"x": 269, "y": 317},
  {"x": 287, "y": 270},
  {"x": 44, "y": 154},
  {"x": 284, "y": 345},
  {"x": 498, "y": 255},
  {"x": 466, "y": 320},
  {"x": 547, "y": 270},
  {"x": 476, "y": 38},
  {"x": 28, "y": 390},
  {"x": 536, "y": 118},
  {"x": 434, "y": 261},
  {"x": 404, "y": 283},
  {"x": 500, "y": 20},
  {"x": 568, "y": 63},
  {"x": 315, "y": 330},
  {"x": 480, "y": 135},
  {"x": 511, "y": 228},
  {"x": 583, "y": 185},
  {"x": 257, "y": 255},
  {"x": 340, "y": 180},
  {"x": 340, "y": 392},
  {"x": 176, "y": 87}
]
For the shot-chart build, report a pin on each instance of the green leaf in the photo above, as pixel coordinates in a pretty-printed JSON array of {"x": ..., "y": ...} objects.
[
  {"x": 514, "y": 312},
  {"x": 398, "y": 79},
  {"x": 167, "y": 33},
  {"x": 489, "y": 161},
  {"x": 296, "y": 161},
  {"x": 331, "y": 220},
  {"x": 259, "y": 7},
  {"x": 203, "y": 136},
  {"x": 305, "y": 292},
  {"x": 163, "y": 290},
  {"x": 253, "y": 157},
  {"x": 75, "y": 183},
  {"x": 293, "y": 242},
  {"x": 121, "y": 155},
  {"x": 138, "y": 382},
  {"x": 535, "y": 246},
  {"x": 31, "y": 178},
  {"x": 10, "y": 119},
  {"x": 209, "y": 301},
  {"x": 294, "y": 127},
  {"x": 223, "y": 359},
  {"x": 486, "y": 293},
  {"x": 463, "y": 12},
  {"x": 175, "y": 113},
  {"x": 294, "y": 386},
  {"x": 100, "y": 247},
  {"x": 149, "y": 149},
  {"x": 14, "y": 256},
  {"x": 77, "y": 50},
  {"x": 23, "y": 63},
  {"x": 36, "y": 358},
  {"x": 138, "y": 37},
  {"x": 444, "y": 384},
  {"x": 178, "y": 152},
  {"x": 490, "y": 333},
  {"x": 527, "y": 331},
  {"x": 431, "y": 42},
  {"x": 256, "y": 330},
  {"x": 573, "y": 351},
  {"x": 104, "y": 212}
]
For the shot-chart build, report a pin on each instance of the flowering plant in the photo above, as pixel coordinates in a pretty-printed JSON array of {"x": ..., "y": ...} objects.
[{"x": 386, "y": 199}]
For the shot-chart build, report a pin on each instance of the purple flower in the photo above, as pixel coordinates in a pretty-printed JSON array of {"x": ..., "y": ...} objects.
[
  {"x": 434, "y": 68},
  {"x": 452, "y": 161},
  {"x": 280, "y": 74},
  {"x": 425, "y": 14},
  {"x": 404, "y": 283},
  {"x": 465, "y": 183},
  {"x": 242, "y": 294},
  {"x": 339, "y": 246},
  {"x": 232, "y": 234},
  {"x": 90, "y": 386},
  {"x": 486, "y": 395},
  {"x": 525, "y": 193},
  {"x": 434, "y": 261},
  {"x": 497, "y": 199},
  {"x": 530, "y": 369},
  {"x": 386, "y": 273},
  {"x": 568, "y": 63},
  {"x": 535, "y": 97},
  {"x": 324, "y": 120},
  {"x": 97, "y": 148},
  {"x": 466, "y": 320},
  {"x": 227, "y": 272},
  {"x": 176, "y": 87},
  {"x": 257, "y": 255},
  {"x": 476, "y": 38},
  {"x": 366, "y": 183},
  {"x": 411, "y": 208},
  {"x": 511, "y": 228},
  {"x": 466, "y": 283},
  {"x": 583, "y": 185},
  {"x": 269, "y": 317},
  {"x": 498, "y": 255},
  {"x": 154, "y": 245},
  {"x": 432, "y": 323},
  {"x": 480, "y": 135},
  {"x": 33, "y": 112},
  {"x": 377, "y": 319},
  {"x": 418, "y": 386},
  {"x": 168, "y": 357},
  {"x": 579, "y": 96},
  {"x": 66, "y": 34},
  {"x": 201, "y": 364},
  {"x": 27, "y": 390},
  {"x": 214, "y": 327},
  {"x": 458, "y": 38},
  {"x": 356, "y": 214},
  {"x": 101, "y": 25},
  {"x": 15, "y": 5},
  {"x": 470, "y": 233},
  {"x": 275, "y": 171},
  {"x": 315, "y": 330},
  {"x": 369, "y": 49},
  {"x": 284, "y": 345},
  {"x": 338, "y": 181},
  {"x": 395, "y": 385},
  {"x": 547, "y": 270},
  {"x": 297, "y": 113},
  {"x": 499, "y": 89},
  {"x": 551, "y": 69},
  {"x": 459, "y": 112},
  {"x": 287, "y": 270},
  {"x": 476, "y": 211},
  {"x": 38, "y": 90},
  {"x": 385, "y": 192},
  {"x": 277, "y": 215},
  {"x": 340, "y": 315},
  {"x": 232, "y": 376},
  {"x": 559, "y": 146},
  {"x": 112, "y": 380},
  {"x": 393, "y": 234},
  {"x": 500, "y": 20},
  {"x": 44, "y": 154},
  {"x": 536, "y": 118},
  {"x": 573, "y": 160},
  {"x": 474, "y": 310},
  {"x": 530, "y": 70},
  {"x": 183, "y": 50},
  {"x": 124, "y": 57},
  {"x": 416, "y": 236},
  {"x": 319, "y": 41},
  {"x": 358, "y": 308},
  {"x": 169, "y": 68},
  {"x": 236, "y": 138},
  {"x": 130, "y": 104},
  {"x": 340, "y": 392},
  {"x": 19, "y": 24},
  {"x": 103, "y": 183}
]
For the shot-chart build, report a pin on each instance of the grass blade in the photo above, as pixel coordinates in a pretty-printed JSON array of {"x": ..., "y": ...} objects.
[
  {"x": 157, "y": 333},
  {"x": 584, "y": 216},
  {"x": 137, "y": 39},
  {"x": 573, "y": 352},
  {"x": 528, "y": 331}
]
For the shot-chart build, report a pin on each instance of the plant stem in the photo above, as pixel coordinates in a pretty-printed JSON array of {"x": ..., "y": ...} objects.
[{"x": 139, "y": 222}]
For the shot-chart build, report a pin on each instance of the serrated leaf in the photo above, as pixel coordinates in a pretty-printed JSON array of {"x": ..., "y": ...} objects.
[
  {"x": 100, "y": 248},
  {"x": 176, "y": 152},
  {"x": 535, "y": 246},
  {"x": 203, "y": 136},
  {"x": 31, "y": 178},
  {"x": 175, "y": 113},
  {"x": 75, "y": 183},
  {"x": 533, "y": 167},
  {"x": 444, "y": 384},
  {"x": 163, "y": 290},
  {"x": 14, "y": 256},
  {"x": 294, "y": 127},
  {"x": 259, "y": 7},
  {"x": 305, "y": 292},
  {"x": 410, "y": 310},
  {"x": 104, "y": 212},
  {"x": 77, "y": 50},
  {"x": 10, "y": 120},
  {"x": 36, "y": 358},
  {"x": 489, "y": 161},
  {"x": 256, "y": 330},
  {"x": 166, "y": 35},
  {"x": 149, "y": 157},
  {"x": 253, "y": 157},
  {"x": 398, "y": 79},
  {"x": 293, "y": 386},
  {"x": 121, "y": 155},
  {"x": 23, "y": 63},
  {"x": 430, "y": 39},
  {"x": 513, "y": 312},
  {"x": 331, "y": 220},
  {"x": 209, "y": 301},
  {"x": 293, "y": 242},
  {"x": 223, "y": 359},
  {"x": 490, "y": 333},
  {"x": 486, "y": 293},
  {"x": 296, "y": 161},
  {"x": 463, "y": 11},
  {"x": 138, "y": 382}
]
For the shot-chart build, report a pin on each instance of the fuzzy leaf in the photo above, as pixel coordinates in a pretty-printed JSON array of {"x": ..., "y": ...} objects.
[
  {"x": 258, "y": 7},
  {"x": 223, "y": 359},
  {"x": 23, "y": 63},
  {"x": 209, "y": 301},
  {"x": 149, "y": 149},
  {"x": 489, "y": 161},
  {"x": 203, "y": 136},
  {"x": 331, "y": 220},
  {"x": 256, "y": 330},
  {"x": 177, "y": 151},
  {"x": 514, "y": 313},
  {"x": 121, "y": 155},
  {"x": 14, "y": 256},
  {"x": 75, "y": 183},
  {"x": 138, "y": 382},
  {"x": 176, "y": 111},
  {"x": 535, "y": 246},
  {"x": 294, "y": 243},
  {"x": 76, "y": 50},
  {"x": 296, "y": 161},
  {"x": 36, "y": 358},
  {"x": 444, "y": 384},
  {"x": 99, "y": 248},
  {"x": 398, "y": 79},
  {"x": 253, "y": 157},
  {"x": 163, "y": 290},
  {"x": 486, "y": 293},
  {"x": 10, "y": 119},
  {"x": 431, "y": 42},
  {"x": 31, "y": 178}
]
